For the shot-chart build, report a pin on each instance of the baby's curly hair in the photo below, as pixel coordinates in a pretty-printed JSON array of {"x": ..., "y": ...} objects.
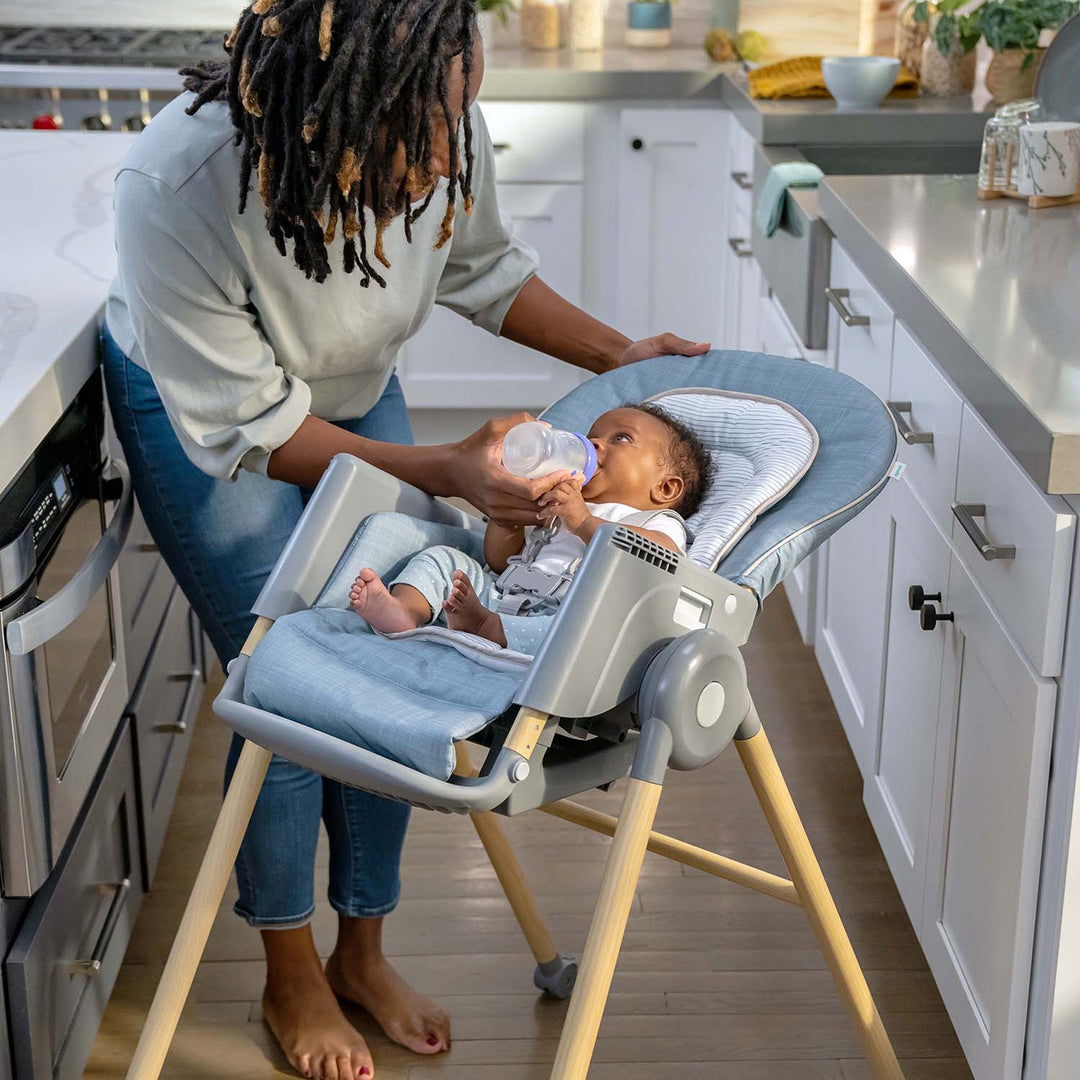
[{"x": 686, "y": 454}]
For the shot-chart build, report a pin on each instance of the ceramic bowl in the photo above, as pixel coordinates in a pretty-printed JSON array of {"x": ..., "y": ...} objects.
[{"x": 859, "y": 82}]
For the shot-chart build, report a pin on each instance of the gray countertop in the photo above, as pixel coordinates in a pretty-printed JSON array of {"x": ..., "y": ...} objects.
[
  {"x": 992, "y": 290},
  {"x": 816, "y": 121}
]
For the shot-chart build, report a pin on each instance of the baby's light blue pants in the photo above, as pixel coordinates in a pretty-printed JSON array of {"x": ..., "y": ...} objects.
[{"x": 431, "y": 573}]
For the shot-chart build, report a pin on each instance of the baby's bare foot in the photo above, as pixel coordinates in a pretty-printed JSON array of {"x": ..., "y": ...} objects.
[
  {"x": 407, "y": 1017},
  {"x": 386, "y": 613},
  {"x": 465, "y": 612}
]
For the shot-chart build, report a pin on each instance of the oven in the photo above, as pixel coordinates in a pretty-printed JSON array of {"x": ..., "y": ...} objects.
[{"x": 63, "y": 680}]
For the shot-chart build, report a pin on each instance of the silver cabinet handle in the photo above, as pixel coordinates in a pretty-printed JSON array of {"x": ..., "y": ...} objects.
[
  {"x": 32, "y": 630},
  {"x": 907, "y": 433},
  {"x": 736, "y": 244},
  {"x": 147, "y": 547},
  {"x": 194, "y": 680},
  {"x": 500, "y": 147},
  {"x": 742, "y": 181},
  {"x": 836, "y": 297},
  {"x": 90, "y": 968},
  {"x": 966, "y": 513}
]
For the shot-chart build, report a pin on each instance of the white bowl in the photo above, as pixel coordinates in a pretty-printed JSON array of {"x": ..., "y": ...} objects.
[{"x": 859, "y": 82}]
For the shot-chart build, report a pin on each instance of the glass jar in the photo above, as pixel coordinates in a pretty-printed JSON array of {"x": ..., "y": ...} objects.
[
  {"x": 1000, "y": 161},
  {"x": 539, "y": 24},
  {"x": 586, "y": 24}
]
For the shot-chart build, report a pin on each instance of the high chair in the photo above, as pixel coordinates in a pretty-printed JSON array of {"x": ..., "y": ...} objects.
[{"x": 640, "y": 671}]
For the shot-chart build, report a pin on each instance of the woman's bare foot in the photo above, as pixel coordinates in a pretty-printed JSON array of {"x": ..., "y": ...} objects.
[
  {"x": 358, "y": 972},
  {"x": 305, "y": 1017},
  {"x": 465, "y": 612},
  {"x": 385, "y": 612}
]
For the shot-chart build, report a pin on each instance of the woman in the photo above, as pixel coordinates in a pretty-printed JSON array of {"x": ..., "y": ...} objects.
[{"x": 235, "y": 374}]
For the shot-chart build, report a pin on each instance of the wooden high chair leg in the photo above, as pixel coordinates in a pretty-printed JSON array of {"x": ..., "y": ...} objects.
[
  {"x": 508, "y": 871},
  {"x": 202, "y": 908},
  {"x": 606, "y": 931},
  {"x": 772, "y": 792}
]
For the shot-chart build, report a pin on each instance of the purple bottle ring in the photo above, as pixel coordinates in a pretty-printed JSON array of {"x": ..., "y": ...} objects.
[{"x": 590, "y": 457}]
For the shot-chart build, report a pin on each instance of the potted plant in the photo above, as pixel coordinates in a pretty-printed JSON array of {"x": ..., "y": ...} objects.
[
  {"x": 948, "y": 60},
  {"x": 1012, "y": 28},
  {"x": 648, "y": 23},
  {"x": 487, "y": 11}
]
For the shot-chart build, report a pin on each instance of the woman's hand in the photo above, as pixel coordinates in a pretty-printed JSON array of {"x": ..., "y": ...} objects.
[
  {"x": 477, "y": 474},
  {"x": 661, "y": 345}
]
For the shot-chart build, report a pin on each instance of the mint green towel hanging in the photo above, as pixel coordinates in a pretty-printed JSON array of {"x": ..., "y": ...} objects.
[{"x": 770, "y": 207}]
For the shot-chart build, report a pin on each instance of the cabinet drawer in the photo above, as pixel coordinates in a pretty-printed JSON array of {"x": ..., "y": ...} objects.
[
  {"x": 1029, "y": 588},
  {"x": 864, "y": 349},
  {"x": 64, "y": 961},
  {"x": 740, "y": 149},
  {"x": 145, "y": 585},
  {"x": 164, "y": 712},
  {"x": 537, "y": 142},
  {"x": 774, "y": 331},
  {"x": 926, "y": 404}
]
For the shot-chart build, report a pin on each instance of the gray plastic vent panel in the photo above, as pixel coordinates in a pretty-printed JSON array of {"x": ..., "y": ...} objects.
[{"x": 646, "y": 550}]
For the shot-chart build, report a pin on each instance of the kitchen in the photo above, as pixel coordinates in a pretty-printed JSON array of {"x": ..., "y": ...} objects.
[{"x": 922, "y": 676}]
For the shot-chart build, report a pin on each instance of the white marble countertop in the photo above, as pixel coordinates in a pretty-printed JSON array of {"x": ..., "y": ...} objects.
[
  {"x": 56, "y": 236},
  {"x": 992, "y": 289}
]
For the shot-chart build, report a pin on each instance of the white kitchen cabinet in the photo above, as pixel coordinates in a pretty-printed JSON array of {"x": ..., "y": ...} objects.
[
  {"x": 861, "y": 323},
  {"x": 995, "y": 728},
  {"x": 898, "y": 786},
  {"x": 669, "y": 266},
  {"x": 451, "y": 363}
]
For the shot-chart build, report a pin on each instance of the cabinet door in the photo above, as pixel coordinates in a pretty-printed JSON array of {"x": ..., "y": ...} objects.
[
  {"x": 990, "y": 778},
  {"x": 452, "y": 364},
  {"x": 897, "y": 792},
  {"x": 750, "y": 295},
  {"x": 671, "y": 222},
  {"x": 849, "y": 640},
  {"x": 864, "y": 350}
]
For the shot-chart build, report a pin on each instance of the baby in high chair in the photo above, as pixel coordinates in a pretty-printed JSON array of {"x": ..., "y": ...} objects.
[{"x": 652, "y": 472}]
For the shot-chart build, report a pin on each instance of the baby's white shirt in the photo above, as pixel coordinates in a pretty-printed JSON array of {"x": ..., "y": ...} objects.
[{"x": 565, "y": 549}]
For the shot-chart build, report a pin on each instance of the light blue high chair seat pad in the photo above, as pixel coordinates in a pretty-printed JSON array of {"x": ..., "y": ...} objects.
[{"x": 800, "y": 470}]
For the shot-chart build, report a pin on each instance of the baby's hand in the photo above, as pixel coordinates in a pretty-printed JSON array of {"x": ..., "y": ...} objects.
[{"x": 565, "y": 501}]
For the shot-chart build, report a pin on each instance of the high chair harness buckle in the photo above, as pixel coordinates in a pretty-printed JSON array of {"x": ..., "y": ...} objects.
[{"x": 525, "y": 588}]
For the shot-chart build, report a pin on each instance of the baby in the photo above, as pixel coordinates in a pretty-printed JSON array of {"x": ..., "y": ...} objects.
[{"x": 651, "y": 473}]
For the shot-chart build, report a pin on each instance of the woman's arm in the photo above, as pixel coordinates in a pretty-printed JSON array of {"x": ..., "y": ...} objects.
[
  {"x": 500, "y": 542},
  {"x": 541, "y": 319},
  {"x": 470, "y": 469}
]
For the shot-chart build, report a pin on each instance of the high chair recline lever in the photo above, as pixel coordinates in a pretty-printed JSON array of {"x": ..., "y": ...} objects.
[{"x": 639, "y": 672}]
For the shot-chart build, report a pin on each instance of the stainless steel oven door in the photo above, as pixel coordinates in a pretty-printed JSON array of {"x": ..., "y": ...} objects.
[{"x": 67, "y": 688}]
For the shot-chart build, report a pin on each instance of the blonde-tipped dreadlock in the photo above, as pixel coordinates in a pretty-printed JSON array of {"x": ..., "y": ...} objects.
[{"x": 322, "y": 93}]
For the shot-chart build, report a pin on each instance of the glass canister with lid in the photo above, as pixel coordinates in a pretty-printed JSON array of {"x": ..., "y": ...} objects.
[{"x": 1000, "y": 161}]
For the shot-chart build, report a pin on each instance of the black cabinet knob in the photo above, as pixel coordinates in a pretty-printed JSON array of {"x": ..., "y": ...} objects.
[
  {"x": 916, "y": 597},
  {"x": 929, "y": 617},
  {"x": 637, "y": 144}
]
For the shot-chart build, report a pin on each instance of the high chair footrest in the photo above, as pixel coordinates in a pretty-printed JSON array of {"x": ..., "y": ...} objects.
[{"x": 356, "y": 766}]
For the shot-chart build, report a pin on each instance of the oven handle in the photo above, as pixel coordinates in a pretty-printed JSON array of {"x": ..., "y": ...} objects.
[{"x": 36, "y": 627}]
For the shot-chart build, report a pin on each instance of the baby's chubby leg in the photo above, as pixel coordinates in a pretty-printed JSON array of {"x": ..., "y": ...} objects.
[
  {"x": 389, "y": 611},
  {"x": 465, "y": 612}
]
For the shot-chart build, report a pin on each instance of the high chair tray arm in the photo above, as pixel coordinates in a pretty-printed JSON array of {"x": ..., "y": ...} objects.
[
  {"x": 361, "y": 768},
  {"x": 349, "y": 491}
]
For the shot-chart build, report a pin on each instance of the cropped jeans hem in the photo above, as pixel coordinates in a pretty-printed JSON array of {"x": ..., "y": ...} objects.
[
  {"x": 285, "y": 922},
  {"x": 356, "y": 911}
]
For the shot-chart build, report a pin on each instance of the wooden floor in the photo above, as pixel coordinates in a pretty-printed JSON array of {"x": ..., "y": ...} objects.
[{"x": 714, "y": 982}]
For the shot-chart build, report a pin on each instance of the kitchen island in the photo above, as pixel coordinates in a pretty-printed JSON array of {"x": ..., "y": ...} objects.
[{"x": 948, "y": 613}]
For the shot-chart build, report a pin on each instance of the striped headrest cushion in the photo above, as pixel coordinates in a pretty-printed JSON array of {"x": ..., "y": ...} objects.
[{"x": 760, "y": 447}]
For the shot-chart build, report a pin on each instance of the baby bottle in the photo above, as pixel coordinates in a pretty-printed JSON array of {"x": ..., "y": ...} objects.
[{"x": 533, "y": 449}]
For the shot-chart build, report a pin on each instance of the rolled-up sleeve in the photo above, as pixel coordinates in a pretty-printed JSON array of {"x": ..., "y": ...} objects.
[
  {"x": 488, "y": 264},
  {"x": 229, "y": 401}
]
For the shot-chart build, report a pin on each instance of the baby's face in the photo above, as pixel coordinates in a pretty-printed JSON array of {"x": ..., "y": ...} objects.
[{"x": 629, "y": 460}]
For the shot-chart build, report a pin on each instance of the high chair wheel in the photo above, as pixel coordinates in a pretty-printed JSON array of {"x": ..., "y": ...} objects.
[{"x": 556, "y": 977}]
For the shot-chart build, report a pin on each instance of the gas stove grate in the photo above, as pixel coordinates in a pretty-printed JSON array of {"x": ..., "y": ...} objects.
[{"x": 108, "y": 46}]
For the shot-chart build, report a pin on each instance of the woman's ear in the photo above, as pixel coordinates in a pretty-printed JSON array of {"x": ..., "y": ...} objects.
[{"x": 669, "y": 490}]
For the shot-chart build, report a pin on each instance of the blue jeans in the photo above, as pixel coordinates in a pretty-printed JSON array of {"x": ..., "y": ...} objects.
[{"x": 220, "y": 540}]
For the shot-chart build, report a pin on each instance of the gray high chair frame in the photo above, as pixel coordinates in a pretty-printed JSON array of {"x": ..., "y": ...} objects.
[{"x": 642, "y": 659}]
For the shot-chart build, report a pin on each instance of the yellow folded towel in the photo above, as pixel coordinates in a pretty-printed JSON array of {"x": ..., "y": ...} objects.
[{"x": 801, "y": 77}]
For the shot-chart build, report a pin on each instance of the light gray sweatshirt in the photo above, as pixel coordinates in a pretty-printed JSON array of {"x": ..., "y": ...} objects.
[{"x": 240, "y": 345}]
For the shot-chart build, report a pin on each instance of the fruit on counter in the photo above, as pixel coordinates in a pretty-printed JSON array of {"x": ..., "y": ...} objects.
[
  {"x": 720, "y": 45},
  {"x": 751, "y": 45},
  {"x": 724, "y": 46},
  {"x": 45, "y": 122}
]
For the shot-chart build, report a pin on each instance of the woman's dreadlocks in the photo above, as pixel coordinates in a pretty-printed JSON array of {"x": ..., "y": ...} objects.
[{"x": 322, "y": 93}]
